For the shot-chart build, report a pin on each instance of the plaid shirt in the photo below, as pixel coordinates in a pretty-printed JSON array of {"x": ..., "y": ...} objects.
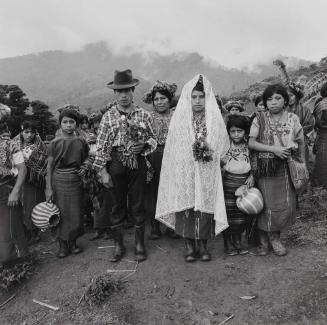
[{"x": 111, "y": 134}]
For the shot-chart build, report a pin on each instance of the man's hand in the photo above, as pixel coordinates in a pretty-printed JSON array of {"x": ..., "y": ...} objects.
[
  {"x": 106, "y": 179},
  {"x": 138, "y": 147}
]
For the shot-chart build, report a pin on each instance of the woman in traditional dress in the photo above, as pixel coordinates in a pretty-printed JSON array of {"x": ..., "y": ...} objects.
[
  {"x": 66, "y": 155},
  {"x": 34, "y": 152},
  {"x": 258, "y": 103},
  {"x": 236, "y": 172},
  {"x": 190, "y": 197},
  {"x": 160, "y": 96},
  {"x": 275, "y": 135},
  {"x": 320, "y": 114},
  {"x": 13, "y": 244},
  {"x": 296, "y": 105},
  {"x": 234, "y": 107}
]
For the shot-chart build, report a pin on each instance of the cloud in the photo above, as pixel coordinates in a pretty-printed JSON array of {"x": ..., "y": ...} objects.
[{"x": 234, "y": 33}]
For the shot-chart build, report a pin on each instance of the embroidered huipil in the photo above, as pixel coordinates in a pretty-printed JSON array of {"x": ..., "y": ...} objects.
[
  {"x": 113, "y": 133},
  {"x": 160, "y": 124},
  {"x": 237, "y": 159},
  {"x": 10, "y": 155},
  {"x": 289, "y": 130},
  {"x": 199, "y": 126}
]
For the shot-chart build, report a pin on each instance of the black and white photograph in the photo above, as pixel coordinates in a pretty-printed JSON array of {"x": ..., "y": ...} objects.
[{"x": 163, "y": 162}]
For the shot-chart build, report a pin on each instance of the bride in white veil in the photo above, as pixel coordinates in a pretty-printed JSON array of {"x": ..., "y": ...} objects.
[{"x": 190, "y": 197}]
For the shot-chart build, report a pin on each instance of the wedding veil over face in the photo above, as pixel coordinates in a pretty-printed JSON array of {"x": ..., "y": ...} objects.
[{"x": 184, "y": 182}]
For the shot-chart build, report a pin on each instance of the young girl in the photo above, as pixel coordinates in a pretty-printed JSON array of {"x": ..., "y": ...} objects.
[
  {"x": 35, "y": 158},
  {"x": 275, "y": 135},
  {"x": 236, "y": 172},
  {"x": 66, "y": 154}
]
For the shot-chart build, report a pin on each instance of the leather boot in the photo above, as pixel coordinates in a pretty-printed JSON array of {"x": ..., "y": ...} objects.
[
  {"x": 63, "y": 248},
  {"x": 155, "y": 230},
  {"x": 140, "y": 253},
  {"x": 190, "y": 255},
  {"x": 229, "y": 247},
  {"x": 74, "y": 248},
  {"x": 277, "y": 246},
  {"x": 263, "y": 248},
  {"x": 120, "y": 249},
  {"x": 205, "y": 255}
]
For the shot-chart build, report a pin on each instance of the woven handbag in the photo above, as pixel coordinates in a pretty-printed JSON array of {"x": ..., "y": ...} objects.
[
  {"x": 298, "y": 170},
  {"x": 45, "y": 215},
  {"x": 249, "y": 200},
  {"x": 299, "y": 173}
]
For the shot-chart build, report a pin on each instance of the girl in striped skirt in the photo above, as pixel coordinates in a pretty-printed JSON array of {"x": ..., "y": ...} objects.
[
  {"x": 66, "y": 154},
  {"x": 236, "y": 169}
]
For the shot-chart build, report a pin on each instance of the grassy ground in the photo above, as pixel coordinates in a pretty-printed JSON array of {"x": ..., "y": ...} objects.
[{"x": 164, "y": 290}]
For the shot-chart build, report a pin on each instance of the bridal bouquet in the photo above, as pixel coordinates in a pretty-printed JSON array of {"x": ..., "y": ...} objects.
[{"x": 201, "y": 150}]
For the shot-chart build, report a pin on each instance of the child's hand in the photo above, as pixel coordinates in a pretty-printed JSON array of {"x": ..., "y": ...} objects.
[
  {"x": 13, "y": 198},
  {"x": 49, "y": 194},
  {"x": 250, "y": 181}
]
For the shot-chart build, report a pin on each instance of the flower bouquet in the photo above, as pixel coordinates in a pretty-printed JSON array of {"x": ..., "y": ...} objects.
[
  {"x": 201, "y": 150},
  {"x": 136, "y": 132}
]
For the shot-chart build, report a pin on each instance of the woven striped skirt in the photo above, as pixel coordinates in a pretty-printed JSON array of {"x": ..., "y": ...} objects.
[
  {"x": 13, "y": 243},
  {"x": 237, "y": 220},
  {"x": 68, "y": 196},
  {"x": 279, "y": 201},
  {"x": 32, "y": 196}
]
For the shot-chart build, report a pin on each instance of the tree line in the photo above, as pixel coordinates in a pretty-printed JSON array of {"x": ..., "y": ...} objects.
[{"x": 15, "y": 98}]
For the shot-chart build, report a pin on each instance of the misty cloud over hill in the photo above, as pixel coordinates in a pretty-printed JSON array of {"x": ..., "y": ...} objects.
[{"x": 58, "y": 77}]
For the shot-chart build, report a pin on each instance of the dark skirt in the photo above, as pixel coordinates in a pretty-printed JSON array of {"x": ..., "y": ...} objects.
[
  {"x": 194, "y": 224},
  {"x": 13, "y": 243},
  {"x": 279, "y": 200},
  {"x": 68, "y": 194},
  {"x": 237, "y": 220},
  {"x": 151, "y": 191},
  {"x": 32, "y": 196},
  {"x": 320, "y": 168}
]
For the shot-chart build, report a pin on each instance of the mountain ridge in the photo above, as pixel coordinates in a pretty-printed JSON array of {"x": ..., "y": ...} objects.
[{"x": 58, "y": 77}]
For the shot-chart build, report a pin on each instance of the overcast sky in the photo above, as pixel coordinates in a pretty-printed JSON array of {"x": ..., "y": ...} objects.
[{"x": 234, "y": 33}]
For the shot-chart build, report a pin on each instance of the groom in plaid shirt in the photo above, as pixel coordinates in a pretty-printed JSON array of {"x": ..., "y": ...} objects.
[{"x": 113, "y": 161}]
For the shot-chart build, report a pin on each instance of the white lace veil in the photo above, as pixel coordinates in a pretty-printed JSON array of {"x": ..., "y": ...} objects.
[{"x": 185, "y": 183}]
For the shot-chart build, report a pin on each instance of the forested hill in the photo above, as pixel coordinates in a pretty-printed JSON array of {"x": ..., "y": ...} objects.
[{"x": 58, "y": 77}]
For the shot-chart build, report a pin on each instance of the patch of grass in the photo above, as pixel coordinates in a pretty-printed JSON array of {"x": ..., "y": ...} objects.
[
  {"x": 16, "y": 273},
  {"x": 311, "y": 225},
  {"x": 100, "y": 289}
]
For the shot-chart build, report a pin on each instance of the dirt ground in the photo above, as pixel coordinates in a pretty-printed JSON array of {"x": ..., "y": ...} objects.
[{"x": 165, "y": 290}]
